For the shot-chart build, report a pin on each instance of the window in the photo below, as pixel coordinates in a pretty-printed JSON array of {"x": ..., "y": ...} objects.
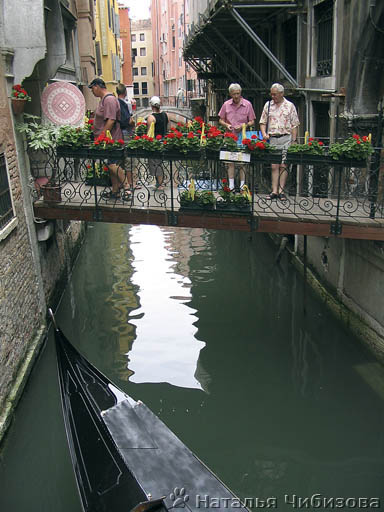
[
  {"x": 6, "y": 208},
  {"x": 142, "y": 37},
  {"x": 136, "y": 90},
  {"x": 99, "y": 68},
  {"x": 143, "y": 52},
  {"x": 324, "y": 33},
  {"x": 173, "y": 41},
  {"x": 290, "y": 50},
  {"x": 144, "y": 88},
  {"x": 133, "y": 38},
  {"x": 69, "y": 48},
  {"x": 134, "y": 52},
  {"x": 135, "y": 71},
  {"x": 143, "y": 71}
]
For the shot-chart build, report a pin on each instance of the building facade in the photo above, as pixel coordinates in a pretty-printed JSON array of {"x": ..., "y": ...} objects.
[
  {"x": 170, "y": 24},
  {"x": 107, "y": 43},
  {"x": 35, "y": 255},
  {"x": 142, "y": 62},
  {"x": 126, "y": 46}
]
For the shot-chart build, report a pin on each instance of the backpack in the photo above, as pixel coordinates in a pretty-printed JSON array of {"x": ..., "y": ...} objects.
[{"x": 125, "y": 116}]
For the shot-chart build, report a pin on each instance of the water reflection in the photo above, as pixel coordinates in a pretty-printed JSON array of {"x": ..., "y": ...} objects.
[{"x": 165, "y": 349}]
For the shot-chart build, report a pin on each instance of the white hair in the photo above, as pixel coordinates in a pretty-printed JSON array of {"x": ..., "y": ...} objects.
[
  {"x": 278, "y": 87},
  {"x": 234, "y": 87}
]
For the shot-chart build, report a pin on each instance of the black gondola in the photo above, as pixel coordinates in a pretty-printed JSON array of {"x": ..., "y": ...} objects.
[{"x": 123, "y": 456}]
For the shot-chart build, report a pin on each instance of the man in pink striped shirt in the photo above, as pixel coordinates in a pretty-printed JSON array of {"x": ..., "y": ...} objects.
[{"x": 233, "y": 114}]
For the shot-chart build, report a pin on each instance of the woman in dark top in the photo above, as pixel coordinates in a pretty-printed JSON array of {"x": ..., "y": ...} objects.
[{"x": 161, "y": 128}]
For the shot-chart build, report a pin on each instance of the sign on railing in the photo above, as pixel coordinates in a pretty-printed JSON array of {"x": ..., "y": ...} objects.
[{"x": 234, "y": 156}]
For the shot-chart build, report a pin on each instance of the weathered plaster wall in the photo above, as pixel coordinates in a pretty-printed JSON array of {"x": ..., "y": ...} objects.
[{"x": 353, "y": 272}]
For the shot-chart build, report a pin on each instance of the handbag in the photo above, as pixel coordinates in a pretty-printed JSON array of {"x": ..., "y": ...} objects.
[{"x": 248, "y": 135}]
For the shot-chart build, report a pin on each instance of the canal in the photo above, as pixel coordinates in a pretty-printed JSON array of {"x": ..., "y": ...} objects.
[{"x": 210, "y": 333}]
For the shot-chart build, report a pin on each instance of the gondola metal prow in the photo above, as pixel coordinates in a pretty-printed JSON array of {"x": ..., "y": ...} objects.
[{"x": 53, "y": 318}]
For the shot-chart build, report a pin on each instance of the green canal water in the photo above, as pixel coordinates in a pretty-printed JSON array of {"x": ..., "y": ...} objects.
[{"x": 210, "y": 333}]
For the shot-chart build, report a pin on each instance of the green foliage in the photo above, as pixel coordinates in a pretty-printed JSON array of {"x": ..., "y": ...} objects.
[
  {"x": 183, "y": 142},
  {"x": 73, "y": 136},
  {"x": 313, "y": 147},
  {"x": 145, "y": 143},
  {"x": 355, "y": 147},
  {"x": 241, "y": 200},
  {"x": 39, "y": 136}
]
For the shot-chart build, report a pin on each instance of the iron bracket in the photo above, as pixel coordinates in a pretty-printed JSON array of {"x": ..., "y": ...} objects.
[
  {"x": 253, "y": 223},
  {"x": 172, "y": 218},
  {"x": 97, "y": 215},
  {"x": 336, "y": 228}
]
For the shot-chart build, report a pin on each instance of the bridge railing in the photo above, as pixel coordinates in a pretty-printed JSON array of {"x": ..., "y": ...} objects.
[{"x": 317, "y": 189}]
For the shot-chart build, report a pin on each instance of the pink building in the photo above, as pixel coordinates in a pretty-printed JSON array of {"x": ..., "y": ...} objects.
[{"x": 169, "y": 26}]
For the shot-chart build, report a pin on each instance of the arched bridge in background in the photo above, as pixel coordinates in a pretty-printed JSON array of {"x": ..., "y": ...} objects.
[{"x": 175, "y": 114}]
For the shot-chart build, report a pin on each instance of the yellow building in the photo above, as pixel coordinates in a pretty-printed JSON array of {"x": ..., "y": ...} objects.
[
  {"x": 108, "y": 43},
  {"x": 142, "y": 61}
]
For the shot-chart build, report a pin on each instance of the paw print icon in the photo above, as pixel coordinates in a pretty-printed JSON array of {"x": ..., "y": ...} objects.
[{"x": 178, "y": 497}]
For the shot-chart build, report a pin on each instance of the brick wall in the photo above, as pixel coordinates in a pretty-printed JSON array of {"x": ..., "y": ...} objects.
[{"x": 19, "y": 297}]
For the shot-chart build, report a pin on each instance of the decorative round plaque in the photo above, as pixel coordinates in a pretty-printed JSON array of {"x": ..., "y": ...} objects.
[{"x": 63, "y": 103}]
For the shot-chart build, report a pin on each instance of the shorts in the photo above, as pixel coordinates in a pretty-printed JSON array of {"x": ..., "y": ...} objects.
[
  {"x": 155, "y": 167},
  {"x": 282, "y": 143}
]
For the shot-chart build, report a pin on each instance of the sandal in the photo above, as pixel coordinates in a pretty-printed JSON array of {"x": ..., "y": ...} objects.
[
  {"x": 282, "y": 197},
  {"x": 126, "y": 195},
  {"x": 272, "y": 195},
  {"x": 109, "y": 195}
]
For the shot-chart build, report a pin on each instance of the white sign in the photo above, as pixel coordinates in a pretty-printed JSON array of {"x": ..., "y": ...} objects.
[{"x": 234, "y": 156}]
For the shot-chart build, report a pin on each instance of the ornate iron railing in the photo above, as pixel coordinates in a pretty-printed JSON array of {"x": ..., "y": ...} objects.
[{"x": 316, "y": 187}]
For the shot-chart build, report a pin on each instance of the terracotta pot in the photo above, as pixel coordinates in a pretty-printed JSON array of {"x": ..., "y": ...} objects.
[
  {"x": 51, "y": 193},
  {"x": 18, "y": 105}
]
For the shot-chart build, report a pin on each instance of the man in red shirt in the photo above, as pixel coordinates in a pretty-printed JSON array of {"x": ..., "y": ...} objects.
[
  {"x": 233, "y": 114},
  {"x": 107, "y": 116}
]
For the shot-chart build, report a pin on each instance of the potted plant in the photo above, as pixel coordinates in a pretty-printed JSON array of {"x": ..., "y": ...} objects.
[
  {"x": 354, "y": 151},
  {"x": 181, "y": 146},
  {"x": 41, "y": 142},
  {"x": 73, "y": 141},
  {"x": 261, "y": 150},
  {"x": 205, "y": 199},
  {"x": 197, "y": 200},
  {"x": 311, "y": 152},
  {"x": 241, "y": 202},
  {"x": 98, "y": 174},
  {"x": 39, "y": 136},
  {"x": 141, "y": 128},
  {"x": 226, "y": 196},
  {"x": 141, "y": 145},
  {"x": 19, "y": 98},
  {"x": 106, "y": 147}
]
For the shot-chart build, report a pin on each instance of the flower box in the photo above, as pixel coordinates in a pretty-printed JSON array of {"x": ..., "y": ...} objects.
[
  {"x": 177, "y": 155},
  {"x": 103, "y": 181},
  {"x": 70, "y": 152},
  {"x": 211, "y": 154},
  {"x": 230, "y": 207},
  {"x": 348, "y": 162},
  {"x": 110, "y": 154},
  {"x": 188, "y": 205},
  {"x": 308, "y": 159},
  {"x": 273, "y": 157}
]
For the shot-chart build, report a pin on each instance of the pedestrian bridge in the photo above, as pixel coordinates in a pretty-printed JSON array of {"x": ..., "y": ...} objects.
[
  {"x": 321, "y": 199},
  {"x": 183, "y": 112}
]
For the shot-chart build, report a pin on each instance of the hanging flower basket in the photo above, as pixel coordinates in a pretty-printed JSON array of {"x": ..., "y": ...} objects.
[
  {"x": 18, "y": 99},
  {"x": 18, "y": 105}
]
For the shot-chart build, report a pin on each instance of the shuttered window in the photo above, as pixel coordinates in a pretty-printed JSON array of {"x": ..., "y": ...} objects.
[{"x": 6, "y": 208}]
